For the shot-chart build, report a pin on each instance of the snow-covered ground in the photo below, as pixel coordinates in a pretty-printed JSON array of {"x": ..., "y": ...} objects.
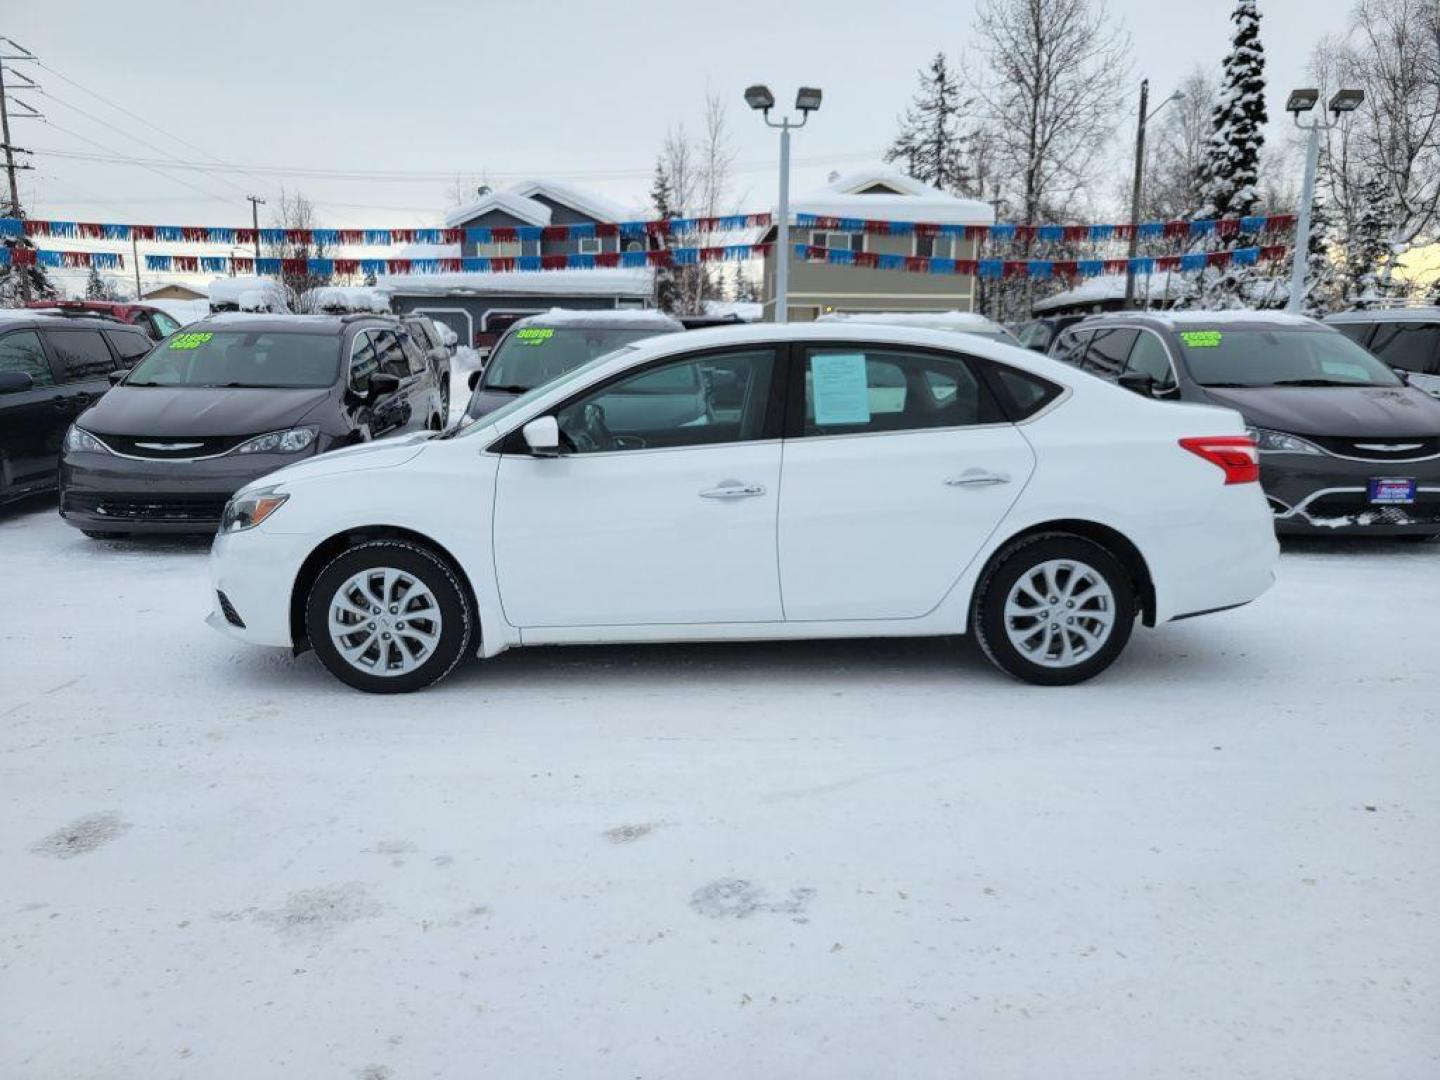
[{"x": 858, "y": 859}]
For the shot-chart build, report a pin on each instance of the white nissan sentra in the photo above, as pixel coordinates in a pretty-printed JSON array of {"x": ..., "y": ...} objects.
[{"x": 764, "y": 482}]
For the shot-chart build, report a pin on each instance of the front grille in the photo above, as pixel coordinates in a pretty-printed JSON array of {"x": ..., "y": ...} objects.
[
  {"x": 1356, "y": 507},
  {"x": 228, "y": 610},
  {"x": 203, "y": 509},
  {"x": 170, "y": 447},
  {"x": 1381, "y": 447}
]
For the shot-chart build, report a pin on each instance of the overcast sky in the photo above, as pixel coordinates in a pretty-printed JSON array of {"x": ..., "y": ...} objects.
[{"x": 569, "y": 88}]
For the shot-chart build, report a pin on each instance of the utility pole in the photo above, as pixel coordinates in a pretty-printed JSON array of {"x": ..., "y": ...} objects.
[
  {"x": 1135, "y": 195},
  {"x": 255, "y": 203},
  {"x": 135, "y": 258},
  {"x": 10, "y": 167}
]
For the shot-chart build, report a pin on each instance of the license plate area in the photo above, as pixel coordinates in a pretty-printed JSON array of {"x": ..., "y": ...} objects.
[{"x": 1392, "y": 491}]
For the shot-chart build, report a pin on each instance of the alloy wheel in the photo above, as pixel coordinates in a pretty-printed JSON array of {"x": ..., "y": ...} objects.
[
  {"x": 1059, "y": 613},
  {"x": 384, "y": 621}
]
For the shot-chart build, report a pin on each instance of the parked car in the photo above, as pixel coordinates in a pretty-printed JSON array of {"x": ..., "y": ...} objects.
[
  {"x": 51, "y": 370},
  {"x": 1039, "y": 334},
  {"x": 996, "y": 492},
  {"x": 427, "y": 335},
  {"x": 957, "y": 322},
  {"x": 149, "y": 318},
  {"x": 232, "y": 398},
  {"x": 1346, "y": 445},
  {"x": 543, "y": 347},
  {"x": 1408, "y": 339}
]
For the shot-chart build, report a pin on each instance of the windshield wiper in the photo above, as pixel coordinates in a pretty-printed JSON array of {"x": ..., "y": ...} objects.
[
  {"x": 1231, "y": 385},
  {"x": 508, "y": 389},
  {"x": 1319, "y": 382}
]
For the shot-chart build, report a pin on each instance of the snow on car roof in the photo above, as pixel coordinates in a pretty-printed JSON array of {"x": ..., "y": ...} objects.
[
  {"x": 605, "y": 282},
  {"x": 971, "y": 322},
  {"x": 610, "y": 318},
  {"x": 1231, "y": 318},
  {"x": 279, "y": 321},
  {"x": 249, "y": 293},
  {"x": 345, "y": 298},
  {"x": 1397, "y": 314}
]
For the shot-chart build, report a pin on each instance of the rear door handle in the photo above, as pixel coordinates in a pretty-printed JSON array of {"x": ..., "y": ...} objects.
[
  {"x": 977, "y": 478},
  {"x": 731, "y": 489}
]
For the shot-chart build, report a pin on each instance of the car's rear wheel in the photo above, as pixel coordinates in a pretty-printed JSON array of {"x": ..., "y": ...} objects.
[
  {"x": 388, "y": 617},
  {"x": 1054, "y": 610}
]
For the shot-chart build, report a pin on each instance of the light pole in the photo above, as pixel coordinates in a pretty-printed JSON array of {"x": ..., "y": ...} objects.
[
  {"x": 1135, "y": 189},
  {"x": 1303, "y": 101},
  {"x": 807, "y": 100}
]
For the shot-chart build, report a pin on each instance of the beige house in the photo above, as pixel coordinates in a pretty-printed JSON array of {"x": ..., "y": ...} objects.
[
  {"x": 876, "y": 194},
  {"x": 174, "y": 291}
]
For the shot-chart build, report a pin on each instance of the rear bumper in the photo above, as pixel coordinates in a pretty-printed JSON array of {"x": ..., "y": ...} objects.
[
  {"x": 1225, "y": 560},
  {"x": 1316, "y": 495},
  {"x": 109, "y": 493}
]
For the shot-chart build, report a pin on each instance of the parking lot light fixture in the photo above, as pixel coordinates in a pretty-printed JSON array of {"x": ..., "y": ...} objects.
[
  {"x": 1302, "y": 101},
  {"x": 760, "y": 99}
]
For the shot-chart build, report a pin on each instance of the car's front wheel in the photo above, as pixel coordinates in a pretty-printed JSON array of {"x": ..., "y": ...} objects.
[
  {"x": 1054, "y": 610},
  {"x": 388, "y": 616}
]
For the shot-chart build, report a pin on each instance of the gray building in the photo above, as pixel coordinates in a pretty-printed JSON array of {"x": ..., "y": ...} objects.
[
  {"x": 480, "y": 306},
  {"x": 878, "y": 193}
]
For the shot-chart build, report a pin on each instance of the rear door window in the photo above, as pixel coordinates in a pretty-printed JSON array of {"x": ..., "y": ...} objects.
[
  {"x": 1408, "y": 346},
  {"x": 130, "y": 346},
  {"x": 414, "y": 353},
  {"x": 390, "y": 354},
  {"x": 79, "y": 355},
  {"x": 1108, "y": 350},
  {"x": 21, "y": 351},
  {"x": 850, "y": 390},
  {"x": 1148, "y": 356}
]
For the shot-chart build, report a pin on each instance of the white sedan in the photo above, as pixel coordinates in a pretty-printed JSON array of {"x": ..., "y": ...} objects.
[{"x": 761, "y": 482}]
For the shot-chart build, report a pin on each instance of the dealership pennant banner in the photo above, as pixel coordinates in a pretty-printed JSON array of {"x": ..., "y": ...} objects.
[
  {"x": 82, "y": 260},
  {"x": 1040, "y": 268},
  {"x": 624, "y": 260},
  {"x": 1074, "y": 234},
  {"x": 208, "y": 234}
]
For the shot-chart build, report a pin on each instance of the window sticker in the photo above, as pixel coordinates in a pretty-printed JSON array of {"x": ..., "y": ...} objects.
[
  {"x": 1201, "y": 339},
  {"x": 840, "y": 390},
  {"x": 189, "y": 341},
  {"x": 534, "y": 335}
]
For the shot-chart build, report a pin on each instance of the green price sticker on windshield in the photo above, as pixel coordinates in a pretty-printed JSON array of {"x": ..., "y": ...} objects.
[
  {"x": 189, "y": 341},
  {"x": 534, "y": 335},
  {"x": 1200, "y": 339}
]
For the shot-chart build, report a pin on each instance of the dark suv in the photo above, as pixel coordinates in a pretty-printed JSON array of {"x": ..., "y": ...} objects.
[
  {"x": 1346, "y": 444},
  {"x": 229, "y": 399},
  {"x": 1408, "y": 339},
  {"x": 52, "y": 370}
]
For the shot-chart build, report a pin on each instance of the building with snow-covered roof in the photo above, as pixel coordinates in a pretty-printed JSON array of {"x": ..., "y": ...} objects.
[
  {"x": 542, "y": 203},
  {"x": 877, "y": 193}
]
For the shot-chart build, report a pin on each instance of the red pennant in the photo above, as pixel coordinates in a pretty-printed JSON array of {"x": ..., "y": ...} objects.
[
  {"x": 867, "y": 259},
  {"x": 397, "y": 266},
  {"x": 966, "y": 266},
  {"x": 242, "y": 236},
  {"x": 553, "y": 262},
  {"x": 22, "y": 256},
  {"x": 244, "y": 264},
  {"x": 1173, "y": 229},
  {"x": 1280, "y": 222},
  {"x": 1164, "y": 262},
  {"x": 1217, "y": 258},
  {"x": 346, "y": 267},
  {"x": 451, "y": 265},
  {"x": 607, "y": 259},
  {"x": 505, "y": 234},
  {"x": 607, "y": 229}
]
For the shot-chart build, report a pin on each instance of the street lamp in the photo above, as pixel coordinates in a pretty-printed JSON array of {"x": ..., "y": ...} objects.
[
  {"x": 1303, "y": 101},
  {"x": 1145, "y": 118},
  {"x": 762, "y": 101}
]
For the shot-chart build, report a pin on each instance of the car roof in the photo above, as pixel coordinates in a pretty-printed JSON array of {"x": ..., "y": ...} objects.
[
  {"x": 602, "y": 319},
  {"x": 261, "y": 322},
  {"x": 1202, "y": 320},
  {"x": 37, "y": 317},
  {"x": 1396, "y": 314}
]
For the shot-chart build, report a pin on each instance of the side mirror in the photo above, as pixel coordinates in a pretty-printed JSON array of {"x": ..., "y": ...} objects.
[
  {"x": 474, "y": 380},
  {"x": 16, "y": 382},
  {"x": 542, "y": 436},
  {"x": 382, "y": 384},
  {"x": 1403, "y": 374},
  {"x": 1139, "y": 382},
  {"x": 117, "y": 375}
]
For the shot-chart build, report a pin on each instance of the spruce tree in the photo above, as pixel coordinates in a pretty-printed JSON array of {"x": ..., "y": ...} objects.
[
  {"x": 1232, "y": 167},
  {"x": 1322, "y": 282},
  {"x": 12, "y": 292},
  {"x": 930, "y": 142},
  {"x": 95, "y": 287},
  {"x": 667, "y": 293},
  {"x": 1371, "y": 249}
]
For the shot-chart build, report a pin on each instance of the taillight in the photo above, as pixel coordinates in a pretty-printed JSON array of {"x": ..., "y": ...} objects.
[{"x": 1235, "y": 454}]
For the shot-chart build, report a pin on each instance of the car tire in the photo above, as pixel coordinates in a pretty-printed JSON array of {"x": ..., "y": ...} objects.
[
  {"x": 1078, "y": 638},
  {"x": 445, "y": 402},
  {"x": 389, "y": 654}
]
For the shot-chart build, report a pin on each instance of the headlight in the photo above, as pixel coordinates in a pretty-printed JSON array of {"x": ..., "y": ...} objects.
[
  {"x": 1278, "y": 442},
  {"x": 250, "y": 508},
  {"x": 279, "y": 442},
  {"x": 81, "y": 441}
]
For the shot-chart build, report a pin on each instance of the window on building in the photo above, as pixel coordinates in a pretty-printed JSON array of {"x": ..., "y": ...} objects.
[
  {"x": 589, "y": 245},
  {"x": 838, "y": 241},
  {"x": 935, "y": 247}
]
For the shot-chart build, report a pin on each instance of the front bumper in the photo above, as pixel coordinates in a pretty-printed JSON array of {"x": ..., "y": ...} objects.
[
  {"x": 255, "y": 572},
  {"x": 1323, "y": 495},
  {"x": 110, "y": 493}
]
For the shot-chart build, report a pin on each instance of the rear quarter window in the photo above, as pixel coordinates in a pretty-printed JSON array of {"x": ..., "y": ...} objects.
[{"x": 1021, "y": 394}]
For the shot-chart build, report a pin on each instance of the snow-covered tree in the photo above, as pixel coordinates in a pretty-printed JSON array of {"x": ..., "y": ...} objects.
[
  {"x": 1232, "y": 167},
  {"x": 1323, "y": 292},
  {"x": 98, "y": 288},
  {"x": 1371, "y": 247},
  {"x": 667, "y": 292},
  {"x": 930, "y": 144}
]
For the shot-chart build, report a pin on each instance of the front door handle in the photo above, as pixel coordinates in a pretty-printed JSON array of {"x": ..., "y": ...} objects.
[
  {"x": 732, "y": 489},
  {"x": 977, "y": 478}
]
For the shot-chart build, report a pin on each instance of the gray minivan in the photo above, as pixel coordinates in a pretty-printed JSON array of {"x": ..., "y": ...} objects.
[{"x": 1408, "y": 339}]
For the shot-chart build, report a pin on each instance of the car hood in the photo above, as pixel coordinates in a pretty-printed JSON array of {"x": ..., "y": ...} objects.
[
  {"x": 1358, "y": 411},
  {"x": 380, "y": 454},
  {"x": 195, "y": 411}
]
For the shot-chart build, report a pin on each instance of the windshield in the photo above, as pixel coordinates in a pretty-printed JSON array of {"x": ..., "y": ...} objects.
[
  {"x": 473, "y": 423},
  {"x": 532, "y": 356},
  {"x": 238, "y": 358},
  {"x": 1280, "y": 358}
]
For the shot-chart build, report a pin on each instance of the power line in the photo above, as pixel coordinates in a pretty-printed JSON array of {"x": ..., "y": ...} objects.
[{"x": 151, "y": 168}]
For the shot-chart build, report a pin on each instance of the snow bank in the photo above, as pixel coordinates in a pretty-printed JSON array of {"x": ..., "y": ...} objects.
[
  {"x": 248, "y": 293},
  {"x": 182, "y": 311}
]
